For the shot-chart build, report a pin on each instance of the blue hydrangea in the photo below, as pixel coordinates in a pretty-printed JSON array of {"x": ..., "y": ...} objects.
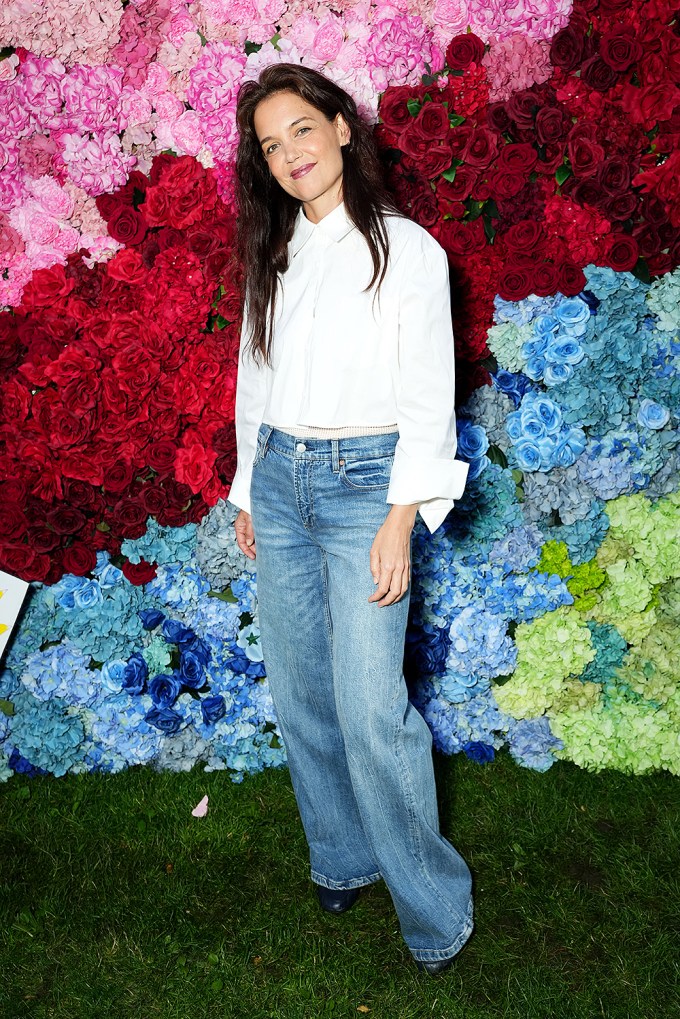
[{"x": 532, "y": 744}]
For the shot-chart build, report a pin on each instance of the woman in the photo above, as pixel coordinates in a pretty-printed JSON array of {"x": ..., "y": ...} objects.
[{"x": 345, "y": 430}]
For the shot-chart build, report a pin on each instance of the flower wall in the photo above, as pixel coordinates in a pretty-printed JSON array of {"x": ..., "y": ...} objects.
[{"x": 538, "y": 143}]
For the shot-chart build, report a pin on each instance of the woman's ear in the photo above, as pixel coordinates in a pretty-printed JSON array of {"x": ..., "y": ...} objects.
[{"x": 342, "y": 128}]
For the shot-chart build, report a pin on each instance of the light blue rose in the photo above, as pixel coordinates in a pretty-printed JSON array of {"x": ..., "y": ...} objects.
[
  {"x": 546, "y": 326},
  {"x": 547, "y": 412},
  {"x": 528, "y": 455},
  {"x": 565, "y": 350},
  {"x": 556, "y": 373},
  {"x": 574, "y": 315},
  {"x": 652, "y": 414},
  {"x": 535, "y": 367},
  {"x": 472, "y": 440},
  {"x": 88, "y": 594}
]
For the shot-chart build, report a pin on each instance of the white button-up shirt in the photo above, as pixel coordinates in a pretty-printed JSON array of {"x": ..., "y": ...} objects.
[{"x": 341, "y": 357}]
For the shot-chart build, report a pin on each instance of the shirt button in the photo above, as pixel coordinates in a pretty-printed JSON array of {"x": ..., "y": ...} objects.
[{"x": 300, "y": 447}]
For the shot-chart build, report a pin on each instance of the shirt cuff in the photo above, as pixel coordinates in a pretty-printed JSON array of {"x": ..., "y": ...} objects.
[
  {"x": 434, "y": 512},
  {"x": 239, "y": 493},
  {"x": 418, "y": 480}
]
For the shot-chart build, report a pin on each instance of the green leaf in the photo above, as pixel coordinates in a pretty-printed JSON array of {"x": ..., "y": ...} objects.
[
  {"x": 6, "y": 707},
  {"x": 428, "y": 79},
  {"x": 490, "y": 363},
  {"x": 511, "y": 629},
  {"x": 275, "y": 39},
  {"x": 501, "y": 680},
  {"x": 561, "y": 173},
  {"x": 413, "y": 107},
  {"x": 450, "y": 174},
  {"x": 455, "y": 119},
  {"x": 641, "y": 271},
  {"x": 517, "y": 476},
  {"x": 497, "y": 456},
  {"x": 227, "y": 596},
  {"x": 489, "y": 231},
  {"x": 252, "y": 47}
]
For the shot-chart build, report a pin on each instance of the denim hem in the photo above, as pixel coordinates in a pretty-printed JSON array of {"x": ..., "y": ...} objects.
[
  {"x": 342, "y": 886},
  {"x": 439, "y": 954}
]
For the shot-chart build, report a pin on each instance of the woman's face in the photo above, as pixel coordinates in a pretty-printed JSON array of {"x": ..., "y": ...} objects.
[{"x": 303, "y": 150}]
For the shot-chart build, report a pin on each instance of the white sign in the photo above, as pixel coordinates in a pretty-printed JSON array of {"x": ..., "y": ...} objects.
[{"x": 12, "y": 594}]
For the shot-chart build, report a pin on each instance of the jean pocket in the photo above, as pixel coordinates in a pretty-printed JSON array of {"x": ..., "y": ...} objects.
[{"x": 367, "y": 474}]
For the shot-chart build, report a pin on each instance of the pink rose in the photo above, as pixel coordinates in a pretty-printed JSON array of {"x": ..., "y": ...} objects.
[{"x": 328, "y": 40}]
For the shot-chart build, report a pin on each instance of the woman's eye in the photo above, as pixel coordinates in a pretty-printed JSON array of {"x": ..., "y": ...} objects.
[
  {"x": 303, "y": 129},
  {"x": 268, "y": 151}
]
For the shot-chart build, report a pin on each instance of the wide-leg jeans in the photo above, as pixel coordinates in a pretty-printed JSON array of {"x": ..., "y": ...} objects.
[{"x": 359, "y": 753}]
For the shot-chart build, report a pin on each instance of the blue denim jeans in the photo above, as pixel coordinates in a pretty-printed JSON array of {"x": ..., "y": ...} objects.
[{"x": 359, "y": 753}]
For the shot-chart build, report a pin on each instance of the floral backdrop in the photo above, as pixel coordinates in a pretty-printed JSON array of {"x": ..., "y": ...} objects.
[{"x": 538, "y": 142}]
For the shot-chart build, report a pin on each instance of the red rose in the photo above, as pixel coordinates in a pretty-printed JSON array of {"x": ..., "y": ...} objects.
[
  {"x": 78, "y": 493},
  {"x": 524, "y": 236},
  {"x": 66, "y": 519},
  {"x": 552, "y": 124},
  {"x": 17, "y": 560},
  {"x": 42, "y": 539},
  {"x": 598, "y": 74},
  {"x": 620, "y": 252},
  {"x": 160, "y": 456},
  {"x": 393, "y": 110},
  {"x": 458, "y": 189},
  {"x": 587, "y": 192},
  {"x": 156, "y": 207},
  {"x": 462, "y": 238},
  {"x": 464, "y": 50},
  {"x": 139, "y": 573},
  {"x": 585, "y": 155},
  {"x": 45, "y": 288},
  {"x": 15, "y": 401},
  {"x": 503, "y": 184},
  {"x": 135, "y": 372},
  {"x": 650, "y": 104},
  {"x": 514, "y": 283},
  {"x": 432, "y": 121},
  {"x": 522, "y": 108},
  {"x": 153, "y": 498},
  {"x": 13, "y": 523},
  {"x": 81, "y": 466},
  {"x": 118, "y": 477},
  {"x": 647, "y": 239},
  {"x": 619, "y": 48},
  {"x": 545, "y": 279},
  {"x": 620, "y": 207},
  {"x": 661, "y": 263},
  {"x": 424, "y": 208},
  {"x": 193, "y": 465},
  {"x": 517, "y": 158},
  {"x": 127, "y": 266},
  {"x": 482, "y": 148},
  {"x": 79, "y": 559},
  {"x": 566, "y": 48},
  {"x": 498, "y": 118},
  {"x": 107, "y": 205},
  {"x": 128, "y": 518},
  {"x": 127, "y": 225}
]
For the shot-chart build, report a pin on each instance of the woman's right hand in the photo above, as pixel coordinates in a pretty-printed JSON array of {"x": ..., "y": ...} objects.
[{"x": 245, "y": 535}]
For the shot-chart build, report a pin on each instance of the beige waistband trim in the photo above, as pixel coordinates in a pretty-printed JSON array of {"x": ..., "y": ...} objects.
[{"x": 346, "y": 432}]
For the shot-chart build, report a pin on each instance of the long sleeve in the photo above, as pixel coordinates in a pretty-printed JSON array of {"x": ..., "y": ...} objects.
[
  {"x": 424, "y": 469},
  {"x": 251, "y": 396}
]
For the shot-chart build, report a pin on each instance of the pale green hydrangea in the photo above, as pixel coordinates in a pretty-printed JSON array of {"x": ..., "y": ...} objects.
[
  {"x": 505, "y": 342},
  {"x": 663, "y": 298}
]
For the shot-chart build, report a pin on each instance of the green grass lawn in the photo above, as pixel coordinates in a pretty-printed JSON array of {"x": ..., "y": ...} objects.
[{"x": 116, "y": 902}]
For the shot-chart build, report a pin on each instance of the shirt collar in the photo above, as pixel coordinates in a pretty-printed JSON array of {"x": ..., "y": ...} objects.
[{"x": 333, "y": 227}]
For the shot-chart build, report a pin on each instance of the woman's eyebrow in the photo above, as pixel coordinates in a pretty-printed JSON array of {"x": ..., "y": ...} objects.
[{"x": 292, "y": 124}]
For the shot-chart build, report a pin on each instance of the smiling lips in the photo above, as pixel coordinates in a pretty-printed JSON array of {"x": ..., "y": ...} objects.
[{"x": 302, "y": 170}]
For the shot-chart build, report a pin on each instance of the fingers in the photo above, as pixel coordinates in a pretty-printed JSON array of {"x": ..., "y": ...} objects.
[
  {"x": 392, "y": 584},
  {"x": 245, "y": 535}
]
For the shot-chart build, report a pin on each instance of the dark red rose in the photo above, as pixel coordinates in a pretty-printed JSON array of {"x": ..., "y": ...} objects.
[
  {"x": 108, "y": 205},
  {"x": 203, "y": 243},
  {"x": 524, "y": 236},
  {"x": 620, "y": 207},
  {"x": 13, "y": 523},
  {"x": 432, "y": 122},
  {"x": 514, "y": 283},
  {"x": 589, "y": 192},
  {"x": 81, "y": 394},
  {"x": 458, "y": 189},
  {"x": 393, "y": 107},
  {"x": 118, "y": 477},
  {"x": 522, "y": 108},
  {"x": 572, "y": 279},
  {"x": 545, "y": 279},
  {"x": 504, "y": 184},
  {"x": 79, "y": 559},
  {"x": 153, "y": 499},
  {"x": 127, "y": 225},
  {"x": 42, "y": 539},
  {"x": 156, "y": 206},
  {"x": 462, "y": 238},
  {"x": 648, "y": 242},
  {"x": 552, "y": 124},
  {"x": 498, "y": 118},
  {"x": 13, "y": 490},
  {"x": 139, "y": 573},
  {"x": 598, "y": 74},
  {"x": 66, "y": 519},
  {"x": 550, "y": 157},
  {"x": 78, "y": 493},
  {"x": 15, "y": 401},
  {"x": 620, "y": 252},
  {"x": 18, "y": 560},
  {"x": 81, "y": 466},
  {"x": 128, "y": 518},
  {"x": 159, "y": 165},
  {"x": 566, "y": 48},
  {"x": 170, "y": 237},
  {"x": 481, "y": 148},
  {"x": 614, "y": 175},
  {"x": 225, "y": 467},
  {"x": 464, "y": 50},
  {"x": 517, "y": 158},
  {"x": 661, "y": 263},
  {"x": 619, "y": 48},
  {"x": 135, "y": 372},
  {"x": 424, "y": 208},
  {"x": 585, "y": 155}
]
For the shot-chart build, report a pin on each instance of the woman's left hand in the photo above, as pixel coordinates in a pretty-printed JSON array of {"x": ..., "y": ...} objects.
[{"x": 390, "y": 557}]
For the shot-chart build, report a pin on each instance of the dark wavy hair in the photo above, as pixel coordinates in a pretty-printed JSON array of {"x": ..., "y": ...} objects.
[{"x": 267, "y": 213}]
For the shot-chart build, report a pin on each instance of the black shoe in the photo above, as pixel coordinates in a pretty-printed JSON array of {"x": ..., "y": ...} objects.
[
  {"x": 433, "y": 968},
  {"x": 335, "y": 900}
]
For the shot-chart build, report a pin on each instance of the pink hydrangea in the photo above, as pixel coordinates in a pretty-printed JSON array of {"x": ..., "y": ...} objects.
[
  {"x": 238, "y": 20},
  {"x": 92, "y": 97},
  {"x": 8, "y": 67},
  {"x": 40, "y": 86},
  {"x": 180, "y": 61},
  {"x": 188, "y": 134},
  {"x": 74, "y": 32},
  {"x": 215, "y": 79},
  {"x": 97, "y": 164},
  {"x": 514, "y": 63},
  {"x": 448, "y": 18},
  {"x": 36, "y": 153},
  {"x": 539, "y": 19},
  {"x": 399, "y": 46}
]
